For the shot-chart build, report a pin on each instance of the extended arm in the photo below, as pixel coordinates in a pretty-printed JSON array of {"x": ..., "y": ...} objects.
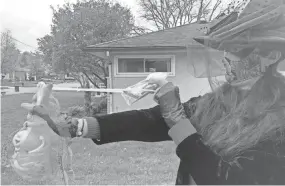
[{"x": 145, "y": 125}]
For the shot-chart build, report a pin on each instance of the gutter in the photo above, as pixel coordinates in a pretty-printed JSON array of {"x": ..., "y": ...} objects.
[{"x": 102, "y": 49}]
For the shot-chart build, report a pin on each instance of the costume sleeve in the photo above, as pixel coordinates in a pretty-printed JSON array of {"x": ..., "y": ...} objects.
[
  {"x": 145, "y": 125},
  {"x": 207, "y": 168}
]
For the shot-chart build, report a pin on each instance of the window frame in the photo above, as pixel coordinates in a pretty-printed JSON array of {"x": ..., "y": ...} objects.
[{"x": 143, "y": 74}]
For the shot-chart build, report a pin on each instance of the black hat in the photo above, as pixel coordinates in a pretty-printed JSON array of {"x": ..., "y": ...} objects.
[{"x": 256, "y": 36}]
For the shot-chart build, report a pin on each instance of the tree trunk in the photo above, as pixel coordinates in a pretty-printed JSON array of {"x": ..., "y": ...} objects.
[
  {"x": 87, "y": 98},
  {"x": 200, "y": 12},
  {"x": 87, "y": 103}
]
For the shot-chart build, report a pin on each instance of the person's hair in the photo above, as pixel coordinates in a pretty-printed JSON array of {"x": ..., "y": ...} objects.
[{"x": 232, "y": 120}]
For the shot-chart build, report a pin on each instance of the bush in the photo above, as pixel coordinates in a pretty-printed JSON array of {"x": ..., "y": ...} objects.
[
  {"x": 103, "y": 104},
  {"x": 99, "y": 106},
  {"x": 76, "y": 111}
]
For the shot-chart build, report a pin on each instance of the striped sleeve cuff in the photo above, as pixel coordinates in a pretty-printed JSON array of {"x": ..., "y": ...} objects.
[
  {"x": 93, "y": 128},
  {"x": 181, "y": 131}
]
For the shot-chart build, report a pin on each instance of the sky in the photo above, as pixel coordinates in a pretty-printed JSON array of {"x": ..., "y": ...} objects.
[{"x": 31, "y": 19}]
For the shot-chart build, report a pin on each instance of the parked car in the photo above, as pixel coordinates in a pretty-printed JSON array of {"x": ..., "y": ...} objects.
[
  {"x": 46, "y": 79},
  {"x": 69, "y": 78}
]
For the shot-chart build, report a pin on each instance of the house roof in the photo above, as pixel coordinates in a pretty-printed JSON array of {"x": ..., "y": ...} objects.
[
  {"x": 22, "y": 69},
  {"x": 177, "y": 37}
]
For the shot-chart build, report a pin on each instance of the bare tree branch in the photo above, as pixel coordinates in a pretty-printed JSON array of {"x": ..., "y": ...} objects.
[
  {"x": 217, "y": 4},
  {"x": 171, "y": 13},
  {"x": 93, "y": 82},
  {"x": 101, "y": 79}
]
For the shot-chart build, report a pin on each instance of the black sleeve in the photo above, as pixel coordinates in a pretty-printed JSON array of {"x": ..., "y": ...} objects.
[
  {"x": 145, "y": 125},
  {"x": 207, "y": 168}
]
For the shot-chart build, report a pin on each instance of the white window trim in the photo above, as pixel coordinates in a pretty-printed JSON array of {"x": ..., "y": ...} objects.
[{"x": 116, "y": 69}]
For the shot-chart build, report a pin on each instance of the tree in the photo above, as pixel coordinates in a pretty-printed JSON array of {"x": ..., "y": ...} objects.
[
  {"x": 77, "y": 25},
  {"x": 9, "y": 53},
  {"x": 36, "y": 64},
  {"x": 80, "y": 24},
  {"x": 32, "y": 61},
  {"x": 45, "y": 45},
  {"x": 24, "y": 59},
  {"x": 172, "y": 13}
]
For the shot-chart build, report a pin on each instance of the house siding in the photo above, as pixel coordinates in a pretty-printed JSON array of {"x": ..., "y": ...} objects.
[{"x": 184, "y": 79}]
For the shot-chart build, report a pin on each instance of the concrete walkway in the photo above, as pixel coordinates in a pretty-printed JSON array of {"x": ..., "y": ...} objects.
[{"x": 32, "y": 90}]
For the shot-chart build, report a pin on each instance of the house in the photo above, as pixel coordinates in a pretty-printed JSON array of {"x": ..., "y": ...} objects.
[
  {"x": 100, "y": 94},
  {"x": 66, "y": 76},
  {"x": 172, "y": 50},
  {"x": 19, "y": 74}
]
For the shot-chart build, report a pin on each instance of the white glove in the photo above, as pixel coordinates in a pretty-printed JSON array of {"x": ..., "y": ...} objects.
[{"x": 158, "y": 78}]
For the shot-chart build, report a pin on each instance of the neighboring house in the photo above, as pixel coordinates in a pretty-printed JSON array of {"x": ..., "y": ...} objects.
[
  {"x": 66, "y": 76},
  {"x": 19, "y": 74},
  {"x": 172, "y": 51},
  {"x": 99, "y": 94},
  {"x": 98, "y": 85}
]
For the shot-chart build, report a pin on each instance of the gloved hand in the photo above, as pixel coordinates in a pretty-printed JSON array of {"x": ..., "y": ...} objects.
[
  {"x": 171, "y": 107},
  {"x": 69, "y": 127},
  {"x": 157, "y": 78},
  {"x": 40, "y": 106}
]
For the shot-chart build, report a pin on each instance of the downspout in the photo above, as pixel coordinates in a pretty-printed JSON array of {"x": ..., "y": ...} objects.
[{"x": 110, "y": 95}]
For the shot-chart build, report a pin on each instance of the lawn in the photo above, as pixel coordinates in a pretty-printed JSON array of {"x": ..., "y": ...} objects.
[
  {"x": 25, "y": 83},
  {"x": 8, "y": 83},
  {"x": 124, "y": 163}
]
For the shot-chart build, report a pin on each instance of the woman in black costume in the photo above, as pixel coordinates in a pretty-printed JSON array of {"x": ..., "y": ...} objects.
[{"x": 233, "y": 135}]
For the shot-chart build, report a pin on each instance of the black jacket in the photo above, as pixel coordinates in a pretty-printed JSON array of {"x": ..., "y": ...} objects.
[{"x": 265, "y": 164}]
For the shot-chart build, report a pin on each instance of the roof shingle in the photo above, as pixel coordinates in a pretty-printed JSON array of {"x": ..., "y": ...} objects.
[{"x": 180, "y": 36}]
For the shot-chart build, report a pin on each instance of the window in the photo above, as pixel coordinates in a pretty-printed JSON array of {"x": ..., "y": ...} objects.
[
  {"x": 158, "y": 65},
  {"x": 126, "y": 65},
  {"x": 142, "y": 65}
]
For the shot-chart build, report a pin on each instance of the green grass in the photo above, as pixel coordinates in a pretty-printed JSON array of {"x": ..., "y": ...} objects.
[
  {"x": 12, "y": 84},
  {"x": 5, "y": 82},
  {"x": 123, "y": 163}
]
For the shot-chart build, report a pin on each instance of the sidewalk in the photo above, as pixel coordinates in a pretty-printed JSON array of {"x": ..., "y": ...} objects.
[{"x": 32, "y": 90}]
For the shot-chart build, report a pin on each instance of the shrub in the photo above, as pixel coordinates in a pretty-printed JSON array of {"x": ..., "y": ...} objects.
[
  {"x": 99, "y": 106},
  {"x": 76, "y": 111}
]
